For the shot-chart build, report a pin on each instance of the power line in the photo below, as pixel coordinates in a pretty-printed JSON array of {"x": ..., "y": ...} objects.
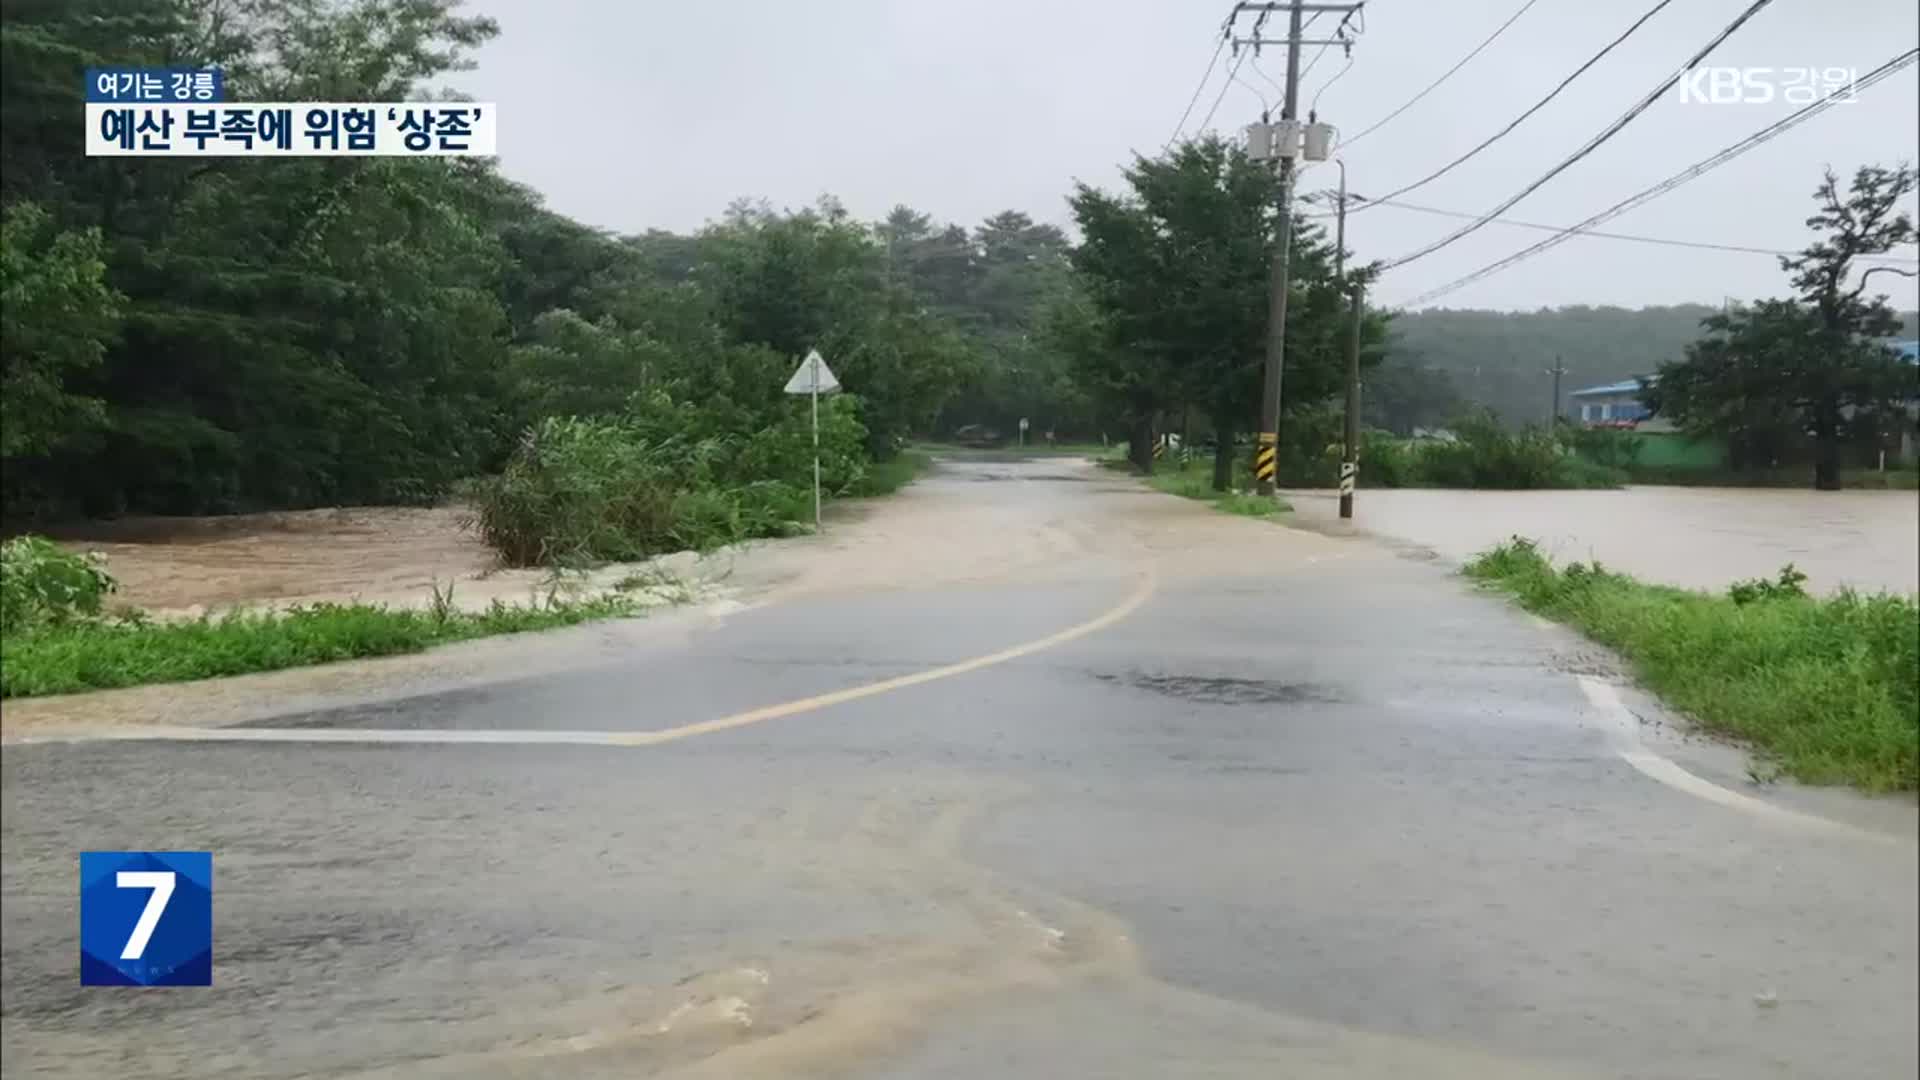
[
  {"x": 1667, "y": 241},
  {"x": 1537, "y": 106},
  {"x": 1594, "y": 143},
  {"x": 1262, "y": 72},
  {"x": 1338, "y": 32},
  {"x": 1314, "y": 105},
  {"x": 1192, "y": 101},
  {"x": 1239, "y": 58},
  {"x": 1265, "y": 106},
  {"x": 1693, "y": 171},
  {"x": 1233, "y": 71},
  {"x": 1415, "y": 99}
]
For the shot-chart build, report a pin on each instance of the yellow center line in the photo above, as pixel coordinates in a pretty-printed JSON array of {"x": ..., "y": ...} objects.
[
  {"x": 598, "y": 738},
  {"x": 820, "y": 701}
]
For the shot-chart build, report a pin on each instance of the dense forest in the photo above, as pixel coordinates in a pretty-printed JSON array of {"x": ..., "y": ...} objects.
[{"x": 213, "y": 335}]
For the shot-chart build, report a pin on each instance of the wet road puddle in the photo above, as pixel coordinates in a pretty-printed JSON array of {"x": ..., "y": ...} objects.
[{"x": 1221, "y": 690}]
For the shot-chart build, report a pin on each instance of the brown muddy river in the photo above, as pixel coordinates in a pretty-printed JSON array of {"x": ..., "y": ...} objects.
[{"x": 1703, "y": 538}]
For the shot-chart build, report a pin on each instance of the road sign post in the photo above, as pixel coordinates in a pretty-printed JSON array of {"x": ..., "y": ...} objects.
[{"x": 813, "y": 377}]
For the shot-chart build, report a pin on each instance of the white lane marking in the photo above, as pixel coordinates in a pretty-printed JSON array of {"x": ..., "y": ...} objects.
[
  {"x": 328, "y": 735},
  {"x": 1624, "y": 734}
]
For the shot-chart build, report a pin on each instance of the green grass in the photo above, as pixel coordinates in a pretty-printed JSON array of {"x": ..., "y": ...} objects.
[
  {"x": 103, "y": 655},
  {"x": 1822, "y": 687},
  {"x": 887, "y": 477},
  {"x": 1195, "y": 481}
]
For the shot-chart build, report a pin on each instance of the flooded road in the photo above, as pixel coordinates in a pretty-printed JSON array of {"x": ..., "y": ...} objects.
[
  {"x": 1151, "y": 791},
  {"x": 1698, "y": 538}
]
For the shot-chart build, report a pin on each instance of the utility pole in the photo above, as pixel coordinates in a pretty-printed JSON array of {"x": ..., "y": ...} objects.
[
  {"x": 1350, "y": 466},
  {"x": 1558, "y": 369},
  {"x": 1350, "y": 442},
  {"x": 1284, "y": 141},
  {"x": 1267, "y": 445}
]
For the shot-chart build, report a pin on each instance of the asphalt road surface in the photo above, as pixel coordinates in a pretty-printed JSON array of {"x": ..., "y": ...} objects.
[{"x": 1171, "y": 794}]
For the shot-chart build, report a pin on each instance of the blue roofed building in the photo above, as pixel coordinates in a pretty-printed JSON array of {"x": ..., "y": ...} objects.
[
  {"x": 1619, "y": 405},
  {"x": 1613, "y": 405}
]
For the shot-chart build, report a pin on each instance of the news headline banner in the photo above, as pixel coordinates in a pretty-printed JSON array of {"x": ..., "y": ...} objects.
[{"x": 291, "y": 129}]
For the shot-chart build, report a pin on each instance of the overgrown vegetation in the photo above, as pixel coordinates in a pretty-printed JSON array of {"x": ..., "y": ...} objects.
[
  {"x": 580, "y": 490},
  {"x": 1480, "y": 454},
  {"x": 226, "y": 335},
  {"x": 99, "y": 654},
  {"x": 57, "y": 638},
  {"x": 42, "y": 585},
  {"x": 1823, "y": 686},
  {"x": 887, "y": 477},
  {"x": 1194, "y": 480}
]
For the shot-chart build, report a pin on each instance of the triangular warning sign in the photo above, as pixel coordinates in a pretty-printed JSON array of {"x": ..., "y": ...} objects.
[{"x": 813, "y": 376}]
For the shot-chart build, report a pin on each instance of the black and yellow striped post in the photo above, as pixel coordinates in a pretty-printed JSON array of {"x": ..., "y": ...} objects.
[
  {"x": 1263, "y": 460},
  {"x": 1159, "y": 448}
]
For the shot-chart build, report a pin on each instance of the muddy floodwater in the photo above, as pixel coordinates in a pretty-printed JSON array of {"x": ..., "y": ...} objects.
[{"x": 1701, "y": 538}]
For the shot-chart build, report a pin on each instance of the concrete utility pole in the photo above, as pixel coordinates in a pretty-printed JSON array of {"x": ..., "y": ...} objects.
[
  {"x": 1284, "y": 139},
  {"x": 1350, "y": 442},
  {"x": 1266, "y": 449},
  {"x": 1350, "y": 464},
  {"x": 1558, "y": 369}
]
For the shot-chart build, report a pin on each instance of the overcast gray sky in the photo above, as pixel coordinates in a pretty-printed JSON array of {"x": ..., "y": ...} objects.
[{"x": 630, "y": 114}]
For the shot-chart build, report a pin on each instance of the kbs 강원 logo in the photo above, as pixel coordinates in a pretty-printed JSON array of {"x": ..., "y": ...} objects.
[
  {"x": 146, "y": 918},
  {"x": 1762, "y": 85}
]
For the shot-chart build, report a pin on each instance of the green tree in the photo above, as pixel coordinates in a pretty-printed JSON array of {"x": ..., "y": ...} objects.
[
  {"x": 294, "y": 332},
  {"x": 817, "y": 279},
  {"x": 1108, "y": 328},
  {"x": 1817, "y": 360},
  {"x": 1180, "y": 267},
  {"x": 568, "y": 366},
  {"x": 57, "y": 316}
]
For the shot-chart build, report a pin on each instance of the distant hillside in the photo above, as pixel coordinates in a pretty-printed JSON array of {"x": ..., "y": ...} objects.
[{"x": 1504, "y": 359}]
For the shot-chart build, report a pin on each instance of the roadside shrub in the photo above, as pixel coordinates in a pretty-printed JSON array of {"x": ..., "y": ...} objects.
[
  {"x": 1310, "y": 444},
  {"x": 1786, "y": 586},
  {"x": 1387, "y": 461},
  {"x": 42, "y": 585},
  {"x": 579, "y": 491},
  {"x": 1610, "y": 447},
  {"x": 1481, "y": 456},
  {"x": 1576, "y": 472},
  {"x": 1486, "y": 456}
]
